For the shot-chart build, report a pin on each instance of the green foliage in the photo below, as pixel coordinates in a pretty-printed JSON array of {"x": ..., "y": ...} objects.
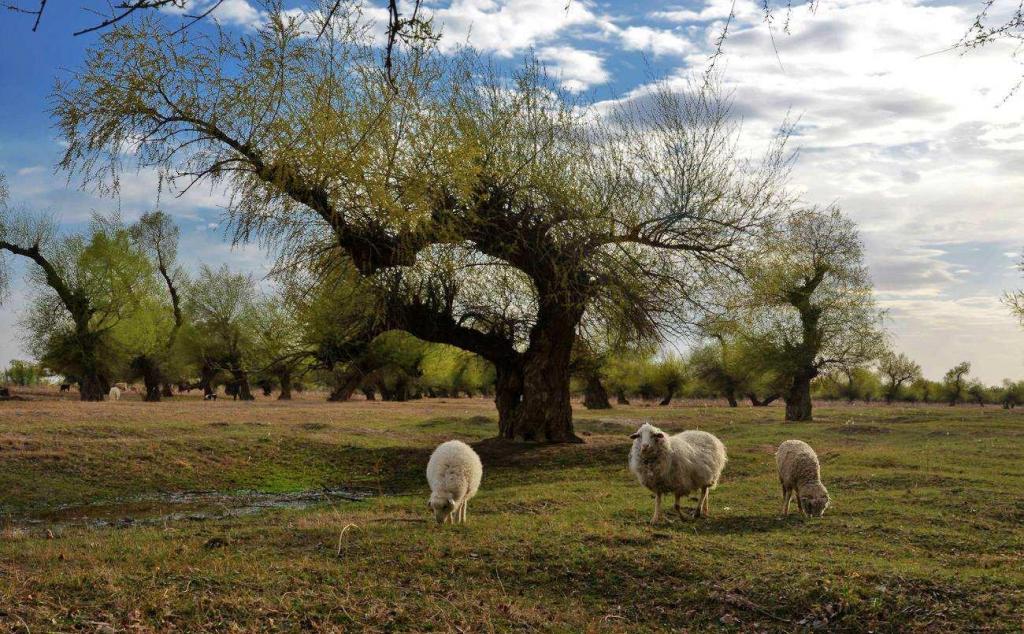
[
  {"x": 955, "y": 382},
  {"x": 23, "y": 373},
  {"x": 448, "y": 371}
]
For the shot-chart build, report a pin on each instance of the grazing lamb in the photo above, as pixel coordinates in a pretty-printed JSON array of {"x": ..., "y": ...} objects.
[
  {"x": 800, "y": 475},
  {"x": 454, "y": 472},
  {"x": 114, "y": 394},
  {"x": 689, "y": 461}
]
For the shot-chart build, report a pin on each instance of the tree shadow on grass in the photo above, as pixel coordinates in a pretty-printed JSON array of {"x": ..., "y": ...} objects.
[{"x": 402, "y": 470}]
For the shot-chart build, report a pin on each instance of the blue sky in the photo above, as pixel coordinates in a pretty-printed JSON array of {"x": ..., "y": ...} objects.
[{"x": 921, "y": 147}]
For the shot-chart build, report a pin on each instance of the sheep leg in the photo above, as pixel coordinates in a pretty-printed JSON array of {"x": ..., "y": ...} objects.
[
  {"x": 657, "y": 509},
  {"x": 785, "y": 501},
  {"x": 462, "y": 511},
  {"x": 706, "y": 502},
  {"x": 702, "y": 501},
  {"x": 678, "y": 509},
  {"x": 799, "y": 506}
]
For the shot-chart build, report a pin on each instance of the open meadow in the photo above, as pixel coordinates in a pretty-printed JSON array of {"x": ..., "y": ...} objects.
[{"x": 188, "y": 515}]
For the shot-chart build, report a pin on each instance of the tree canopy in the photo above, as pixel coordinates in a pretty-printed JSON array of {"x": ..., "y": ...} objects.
[{"x": 491, "y": 212}]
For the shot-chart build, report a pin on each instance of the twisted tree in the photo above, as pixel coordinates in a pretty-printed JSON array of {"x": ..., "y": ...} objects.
[
  {"x": 87, "y": 289},
  {"x": 808, "y": 305},
  {"x": 897, "y": 369},
  {"x": 488, "y": 211}
]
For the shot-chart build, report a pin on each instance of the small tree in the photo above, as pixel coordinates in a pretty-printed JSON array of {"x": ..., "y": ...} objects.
[
  {"x": 955, "y": 382},
  {"x": 221, "y": 311},
  {"x": 23, "y": 373},
  {"x": 85, "y": 285},
  {"x": 808, "y": 305},
  {"x": 897, "y": 370},
  {"x": 280, "y": 349},
  {"x": 157, "y": 236}
]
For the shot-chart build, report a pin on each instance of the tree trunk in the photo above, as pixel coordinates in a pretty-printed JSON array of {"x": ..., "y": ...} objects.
[
  {"x": 532, "y": 392},
  {"x": 346, "y": 386},
  {"x": 93, "y": 385},
  {"x": 285, "y": 377},
  {"x": 206, "y": 375},
  {"x": 620, "y": 397},
  {"x": 152, "y": 382},
  {"x": 669, "y": 395},
  {"x": 147, "y": 368},
  {"x": 798, "y": 399},
  {"x": 594, "y": 394},
  {"x": 730, "y": 395},
  {"x": 242, "y": 384}
]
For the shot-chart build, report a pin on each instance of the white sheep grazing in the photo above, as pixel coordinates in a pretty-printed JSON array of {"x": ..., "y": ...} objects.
[
  {"x": 453, "y": 472},
  {"x": 114, "y": 394},
  {"x": 689, "y": 461},
  {"x": 800, "y": 475}
]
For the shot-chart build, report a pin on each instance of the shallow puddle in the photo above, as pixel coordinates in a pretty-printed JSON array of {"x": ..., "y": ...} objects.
[{"x": 196, "y": 506}]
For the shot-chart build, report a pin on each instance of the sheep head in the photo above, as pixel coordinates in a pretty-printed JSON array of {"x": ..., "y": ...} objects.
[
  {"x": 443, "y": 507},
  {"x": 814, "y": 500},
  {"x": 650, "y": 440}
]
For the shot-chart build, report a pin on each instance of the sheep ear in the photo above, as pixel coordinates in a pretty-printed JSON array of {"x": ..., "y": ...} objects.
[
  {"x": 635, "y": 435},
  {"x": 658, "y": 435}
]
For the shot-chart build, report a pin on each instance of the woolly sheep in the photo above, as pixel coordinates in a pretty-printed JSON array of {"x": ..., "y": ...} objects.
[
  {"x": 800, "y": 475},
  {"x": 114, "y": 394},
  {"x": 453, "y": 472},
  {"x": 686, "y": 462}
]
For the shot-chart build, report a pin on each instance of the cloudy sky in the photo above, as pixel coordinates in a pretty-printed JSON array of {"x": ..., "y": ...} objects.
[{"x": 923, "y": 146}]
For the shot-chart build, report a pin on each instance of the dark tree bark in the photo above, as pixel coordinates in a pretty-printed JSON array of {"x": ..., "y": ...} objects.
[
  {"x": 284, "y": 376},
  {"x": 244, "y": 392},
  {"x": 672, "y": 387},
  {"x": 533, "y": 394},
  {"x": 147, "y": 367},
  {"x": 207, "y": 373},
  {"x": 594, "y": 394},
  {"x": 798, "y": 394},
  {"x": 798, "y": 398},
  {"x": 730, "y": 396},
  {"x": 620, "y": 397},
  {"x": 347, "y": 384},
  {"x": 768, "y": 400}
]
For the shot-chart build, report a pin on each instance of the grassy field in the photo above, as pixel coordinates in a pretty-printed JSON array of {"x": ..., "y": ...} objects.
[{"x": 925, "y": 533}]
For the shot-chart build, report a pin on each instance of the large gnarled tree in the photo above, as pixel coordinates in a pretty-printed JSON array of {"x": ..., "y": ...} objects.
[{"x": 492, "y": 215}]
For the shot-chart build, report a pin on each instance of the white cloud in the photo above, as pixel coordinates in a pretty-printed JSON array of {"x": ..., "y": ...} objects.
[
  {"x": 239, "y": 13},
  {"x": 656, "y": 41},
  {"x": 577, "y": 70},
  {"x": 507, "y": 27}
]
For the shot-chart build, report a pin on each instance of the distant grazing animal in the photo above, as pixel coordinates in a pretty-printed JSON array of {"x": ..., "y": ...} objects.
[
  {"x": 686, "y": 462},
  {"x": 210, "y": 397},
  {"x": 800, "y": 475},
  {"x": 114, "y": 394},
  {"x": 65, "y": 387},
  {"x": 454, "y": 473},
  {"x": 121, "y": 386}
]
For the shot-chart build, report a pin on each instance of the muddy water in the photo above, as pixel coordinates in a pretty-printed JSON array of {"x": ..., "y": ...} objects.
[{"x": 193, "y": 506}]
